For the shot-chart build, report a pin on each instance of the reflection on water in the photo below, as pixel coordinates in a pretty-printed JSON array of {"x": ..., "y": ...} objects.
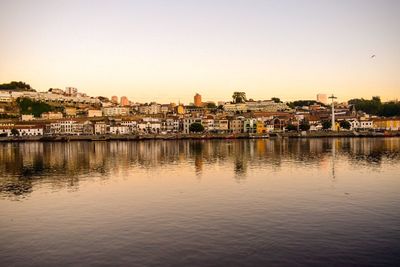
[
  {"x": 22, "y": 165},
  {"x": 201, "y": 203}
]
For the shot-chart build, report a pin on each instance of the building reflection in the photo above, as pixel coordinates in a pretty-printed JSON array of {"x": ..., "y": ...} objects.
[{"x": 22, "y": 165}]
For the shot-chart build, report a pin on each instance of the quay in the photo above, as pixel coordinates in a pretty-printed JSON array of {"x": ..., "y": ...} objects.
[{"x": 180, "y": 136}]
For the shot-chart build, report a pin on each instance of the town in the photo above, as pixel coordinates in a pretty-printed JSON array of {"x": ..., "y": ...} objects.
[{"x": 69, "y": 112}]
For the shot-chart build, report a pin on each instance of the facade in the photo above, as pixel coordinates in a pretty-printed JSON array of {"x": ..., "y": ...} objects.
[
  {"x": 392, "y": 124},
  {"x": 114, "y": 99},
  {"x": 150, "y": 109},
  {"x": 119, "y": 129},
  {"x": 322, "y": 98},
  {"x": 124, "y": 101},
  {"x": 95, "y": 113},
  {"x": 51, "y": 115},
  {"x": 71, "y": 91},
  {"x": 197, "y": 100},
  {"x": 236, "y": 126},
  {"x": 27, "y": 117},
  {"x": 188, "y": 121},
  {"x": 100, "y": 128},
  {"x": 115, "y": 111},
  {"x": 70, "y": 112}
]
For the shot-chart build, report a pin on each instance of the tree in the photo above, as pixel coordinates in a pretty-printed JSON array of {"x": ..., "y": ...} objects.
[
  {"x": 304, "y": 126},
  {"x": 291, "y": 128},
  {"x": 29, "y": 106},
  {"x": 326, "y": 125},
  {"x": 276, "y": 100},
  {"x": 196, "y": 127},
  {"x": 239, "y": 97},
  {"x": 14, "y": 132},
  {"x": 345, "y": 125},
  {"x": 211, "y": 105},
  {"x": 16, "y": 86}
]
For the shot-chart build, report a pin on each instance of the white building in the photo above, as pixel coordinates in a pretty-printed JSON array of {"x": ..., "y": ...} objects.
[
  {"x": 95, "y": 113},
  {"x": 72, "y": 91},
  {"x": 27, "y": 117},
  {"x": 115, "y": 111},
  {"x": 119, "y": 129},
  {"x": 188, "y": 121},
  {"x": 100, "y": 127}
]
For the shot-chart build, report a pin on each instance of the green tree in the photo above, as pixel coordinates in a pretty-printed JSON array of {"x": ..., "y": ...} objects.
[
  {"x": 345, "y": 124},
  {"x": 16, "y": 86},
  {"x": 304, "y": 126},
  {"x": 276, "y": 100},
  {"x": 14, "y": 132},
  {"x": 291, "y": 128},
  {"x": 239, "y": 97},
  {"x": 326, "y": 125},
  {"x": 29, "y": 106},
  {"x": 211, "y": 105},
  {"x": 196, "y": 127}
]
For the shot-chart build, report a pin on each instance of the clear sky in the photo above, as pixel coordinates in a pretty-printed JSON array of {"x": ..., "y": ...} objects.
[{"x": 168, "y": 50}]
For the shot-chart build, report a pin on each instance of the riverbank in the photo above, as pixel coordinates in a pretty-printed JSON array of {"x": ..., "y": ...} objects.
[{"x": 67, "y": 138}]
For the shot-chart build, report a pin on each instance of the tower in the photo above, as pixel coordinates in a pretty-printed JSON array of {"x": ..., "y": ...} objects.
[
  {"x": 197, "y": 100},
  {"x": 333, "y": 112}
]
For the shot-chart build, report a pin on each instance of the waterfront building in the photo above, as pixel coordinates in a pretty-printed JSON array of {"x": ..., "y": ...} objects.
[
  {"x": 188, "y": 121},
  {"x": 170, "y": 125},
  {"x": 100, "y": 127},
  {"x": 221, "y": 125},
  {"x": 119, "y": 129},
  {"x": 250, "y": 125},
  {"x": 366, "y": 124},
  {"x": 392, "y": 124},
  {"x": 197, "y": 100},
  {"x": 236, "y": 126},
  {"x": 23, "y": 130}
]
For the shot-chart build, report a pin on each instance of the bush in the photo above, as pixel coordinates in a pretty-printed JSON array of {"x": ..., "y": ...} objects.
[
  {"x": 291, "y": 128},
  {"x": 326, "y": 125},
  {"x": 196, "y": 127},
  {"x": 304, "y": 127},
  {"x": 345, "y": 125}
]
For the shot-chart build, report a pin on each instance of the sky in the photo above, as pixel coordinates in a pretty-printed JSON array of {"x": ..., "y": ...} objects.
[{"x": 168, "y": 50}]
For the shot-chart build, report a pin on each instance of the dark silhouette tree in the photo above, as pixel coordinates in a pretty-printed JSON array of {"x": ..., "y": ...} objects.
[{"x": 196, "y": 127}]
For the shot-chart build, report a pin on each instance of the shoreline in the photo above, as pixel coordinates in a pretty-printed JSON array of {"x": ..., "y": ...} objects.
[{"x": 93, "y": 138}]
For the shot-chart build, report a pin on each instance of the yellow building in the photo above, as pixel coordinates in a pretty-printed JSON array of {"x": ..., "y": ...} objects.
[
  {"x": 392, "y": 124},
  {"x": 180, "y": 109},
  {"x": 261, "y": 127}
]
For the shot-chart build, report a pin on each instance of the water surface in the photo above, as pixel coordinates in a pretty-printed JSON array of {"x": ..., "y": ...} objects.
[{"x": 302, "y": 202}]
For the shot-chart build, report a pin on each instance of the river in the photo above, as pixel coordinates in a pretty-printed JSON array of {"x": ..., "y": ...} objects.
[{"x": 283, "y": 202}]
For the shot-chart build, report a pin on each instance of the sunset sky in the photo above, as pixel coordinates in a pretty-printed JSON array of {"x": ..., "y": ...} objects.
[{"x": 168, "y": 50}]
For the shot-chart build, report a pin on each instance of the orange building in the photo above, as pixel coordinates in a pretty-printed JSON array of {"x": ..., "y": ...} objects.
[
  {"x": 114, "y": 99},
  {"x": 124, "y": 101},
  {"x": 197, "y": 100}
]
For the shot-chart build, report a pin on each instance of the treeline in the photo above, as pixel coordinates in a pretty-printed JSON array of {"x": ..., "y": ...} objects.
[
  {"x": 16, "y": 86},
  {"x": 29, "y": 106},
  {"x": 301, "y": 103},
  {"x": 376, "y": 107}
]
